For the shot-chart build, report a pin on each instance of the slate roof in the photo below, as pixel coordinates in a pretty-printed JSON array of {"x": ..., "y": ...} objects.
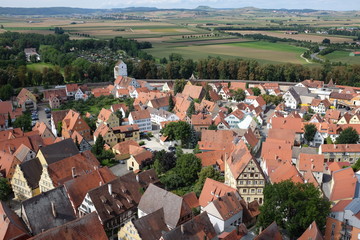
[
  {"x": 125, "y": 195},
  {"x": 151, "y": 226},
  {"x": 32, "y": 171},
  {"x": 174, "y": 206},
  {"x": 85, "y": 228},
  {"x": 59, "y": 150},
  {"x": 39, "y": 212}
]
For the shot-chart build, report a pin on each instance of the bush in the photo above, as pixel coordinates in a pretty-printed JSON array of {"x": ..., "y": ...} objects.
[{"x": 141, "y": 143}]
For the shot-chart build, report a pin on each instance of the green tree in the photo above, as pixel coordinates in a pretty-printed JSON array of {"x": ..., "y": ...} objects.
[
  {"x": 206, "y": 172},
  {"x": 5, "y": 189},
  {"x": 187, "y": 167},
  {"x": 329, "y": 140},
  {"x": 191, "y": 109},
  {"x": 119, "y": 114},
  {"x": 293, "y": 206},
  {"x": 239, "y": 95},
  {"x": 197, "y": 149},
  {"x": 171, "y": 103},
  {"x": 59, "y": 128},
  {"x": 23, "y": 122},
  {"x": 348, "y": 136},
  {"x": 212, "y": 127},
  {"x": 356, "y": 166},
  {"x": 309, "y": 132},
  {"x": 98, "y": 147},
  {"x": 256, "y": 91},
  {"x": 9, "y": 120},
  {"x": 177, "y": 131},
  {"x": 91, "y": 123},
  {"x": 6, "y": 92},
  {"x": 179, "y": 86},
  {"x": 164, "y": 161}
]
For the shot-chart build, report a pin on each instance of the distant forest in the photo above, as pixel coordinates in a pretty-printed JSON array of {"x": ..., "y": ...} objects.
[{"x": 64, "y": 55}]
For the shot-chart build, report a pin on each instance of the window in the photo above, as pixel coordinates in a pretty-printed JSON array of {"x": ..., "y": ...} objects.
[
  {"x": 244, "y": 190},
  {"x": 259, "y": 190},
  {"x": 252, "y": 190}
]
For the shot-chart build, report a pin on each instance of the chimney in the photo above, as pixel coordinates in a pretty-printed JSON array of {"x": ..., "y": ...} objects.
[
  {"x": 110, "y": 188},
  {"x": 53, "y": 209},
  {"x": 310, "y": 226},
  {"x": 73, "y": 172}
]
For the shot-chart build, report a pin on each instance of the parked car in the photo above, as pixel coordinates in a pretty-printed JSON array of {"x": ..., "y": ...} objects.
[
  {"x": 172, "y": 149},
  {"x": 48, "y": 115},
  {"x": 34, "y": 117},
  {"x": 47, "y": 110},
  {"x": 122, "y": 162}
]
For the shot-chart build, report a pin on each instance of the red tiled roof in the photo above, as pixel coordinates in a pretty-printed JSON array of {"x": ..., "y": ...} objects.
[
  {"x": 191, "y": 200},
  {"x": 285, "y": 171},
  {"x": 212, "y": 190},
  {"x": 288, "y": 123},
  {"x": 311, "y": 162},
  {"x": 344, "y": 184}
]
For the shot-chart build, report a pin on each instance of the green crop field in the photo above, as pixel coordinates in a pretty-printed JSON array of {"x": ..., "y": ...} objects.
[
  {"x": 342, "y": 56},
  {"x": 263, "y": 52}
]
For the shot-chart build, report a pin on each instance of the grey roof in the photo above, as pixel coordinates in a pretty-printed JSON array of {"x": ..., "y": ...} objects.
[
  {"x": 297, "y": 150},
  {"x": 294, "y": 94},
  {"x": 22, "y": 152},
  {"x": 60, "y": 150},
  {"x": 354, "y": 206},
  {"x": 155, "y": 198},
  {"x": 32, "y": 171},
  {"x": 151, "y": 226},
  {"x": 38, "y": 214},
  {"x": 304, "y": 91}
]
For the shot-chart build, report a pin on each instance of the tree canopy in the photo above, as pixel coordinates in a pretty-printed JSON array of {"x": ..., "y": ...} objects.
[
  {"x": 206, "y": 172},
  {"x": 348, "y": 136},
  {"x": 5, "y": 189},
  {"x": 177, "y": 131},
  {"x": 164, "y": 161},
  {"x": 239, "y": 95},
  {"x": 309, "y": 132},
  {"x": 23, "y": 122},
  {"x": 256, "y": 91},
  {"x": 293, "y": 206}
]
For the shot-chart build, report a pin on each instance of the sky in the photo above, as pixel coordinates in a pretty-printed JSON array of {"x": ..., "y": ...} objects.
[{"x": 289, "y": 4}]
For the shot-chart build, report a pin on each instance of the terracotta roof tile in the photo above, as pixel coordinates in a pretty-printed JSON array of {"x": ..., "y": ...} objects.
[
  {"x": 285, "y": 171},
  {"x": 6, "y": 107},
  {"x": 344, "y": 184},
  {"x": 191, "y": 200},
  {"x": 71, "y": 167},
  {"x": 288, "y": 123},
  {"x": 217, "y": 139},
  {"x": 138, "y": 115},
  {"x": 84, "y": 228},
  {"x": 271, "y": 232},
  {"x": 195, "y": 92},
  {"x": 78, "y": 187},
  {"x": 311, "y": 162}
]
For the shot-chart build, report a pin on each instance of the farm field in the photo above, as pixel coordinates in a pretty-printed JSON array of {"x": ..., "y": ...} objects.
[
  {"x": 301, "y": 36},
  {"x": 263, "y": 52},
  {"x": 342, "y": 56}
]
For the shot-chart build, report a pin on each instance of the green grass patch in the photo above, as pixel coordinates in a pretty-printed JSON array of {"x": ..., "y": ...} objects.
[
  {"x": 342, "y": 56},
  {"x": 39, "y": 66},
  {"x": 269, "y": 46}
]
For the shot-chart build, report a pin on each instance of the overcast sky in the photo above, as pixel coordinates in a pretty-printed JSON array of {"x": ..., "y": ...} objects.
[{"x": 290, "y": 4}]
